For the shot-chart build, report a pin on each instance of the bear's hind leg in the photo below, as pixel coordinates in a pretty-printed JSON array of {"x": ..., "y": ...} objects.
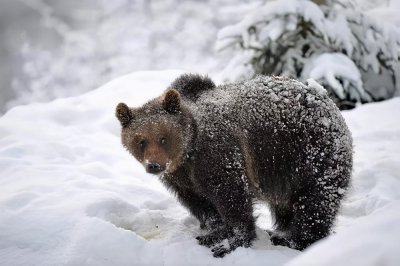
[
  {"x": 316, "y": 206},
  {"x": 283, "y": 217},
  {"x": 312, "y": 221}
]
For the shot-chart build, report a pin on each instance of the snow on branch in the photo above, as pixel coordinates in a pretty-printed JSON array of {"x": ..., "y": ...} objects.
[{"x": 354, "y": 56}]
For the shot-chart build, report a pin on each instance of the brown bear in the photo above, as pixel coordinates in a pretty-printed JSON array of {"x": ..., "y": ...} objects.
[{"x": 219, "y": 148}]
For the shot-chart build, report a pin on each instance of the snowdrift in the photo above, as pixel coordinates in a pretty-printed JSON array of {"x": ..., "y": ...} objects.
[{"x": 71, "y": 195}]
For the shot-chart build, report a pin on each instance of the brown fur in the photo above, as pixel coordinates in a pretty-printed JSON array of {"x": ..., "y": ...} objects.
[{"x": 170, "y": 154}]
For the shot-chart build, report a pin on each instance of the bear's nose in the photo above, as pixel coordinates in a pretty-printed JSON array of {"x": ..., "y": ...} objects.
[{"x": 154, "y": 168}]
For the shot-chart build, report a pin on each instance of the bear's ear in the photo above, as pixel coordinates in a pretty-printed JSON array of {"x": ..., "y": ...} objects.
[
  {"x": 172, "y": 101},
  {"x": 124, "y": 114}
]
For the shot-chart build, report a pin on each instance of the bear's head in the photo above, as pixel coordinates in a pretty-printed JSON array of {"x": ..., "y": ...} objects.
[{"x": 159, "y": 133}]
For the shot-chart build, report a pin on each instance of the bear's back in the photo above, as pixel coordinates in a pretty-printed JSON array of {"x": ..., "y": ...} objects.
[{"x": 268, "y": 101}]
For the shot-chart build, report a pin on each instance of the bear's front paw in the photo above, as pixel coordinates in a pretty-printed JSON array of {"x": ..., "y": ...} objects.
[
  {"x": 220, "y": 251},
  {"x": 211, "y": 239},
  {"x": 279, "y": 239}
]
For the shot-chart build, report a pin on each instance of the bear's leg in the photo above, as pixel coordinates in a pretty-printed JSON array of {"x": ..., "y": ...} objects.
[
  {"x": 221, "y": 177},
  {"x": 234, "y": 204},
  {"x": 238, "y": 224},
  {"x": 313, "y": 218},
  {"x": 283, "y": 216},
  {"x": 239, "y": 231},
  {"x": 200, "y": 208},
  {"x": 316, "y": 206}
]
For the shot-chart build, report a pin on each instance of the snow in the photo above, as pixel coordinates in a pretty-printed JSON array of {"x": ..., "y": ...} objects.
[
  {"x": 333, "y": 67},
  {"x": 311, "y": 83},
  {"x": 71, "y": 195}
]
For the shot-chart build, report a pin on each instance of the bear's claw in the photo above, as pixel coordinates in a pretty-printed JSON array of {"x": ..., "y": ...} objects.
[
  {"x": 208, "y": 240},
  {"x": 220, "y": 251},
  {"x": 278, "y": 239}
]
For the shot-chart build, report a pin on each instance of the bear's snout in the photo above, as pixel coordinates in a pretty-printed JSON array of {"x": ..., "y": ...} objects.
[{"x": 154, "y": 168}]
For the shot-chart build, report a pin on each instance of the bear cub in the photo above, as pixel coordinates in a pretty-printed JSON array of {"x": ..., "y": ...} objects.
[{"x": 220, "y": 148}]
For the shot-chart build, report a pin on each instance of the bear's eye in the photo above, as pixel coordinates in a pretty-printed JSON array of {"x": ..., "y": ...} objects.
[
  {"x": 163, "y": 141},
  {"x": 142, "y": 144}
]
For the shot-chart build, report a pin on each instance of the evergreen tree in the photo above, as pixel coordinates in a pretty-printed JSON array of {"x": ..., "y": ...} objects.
[{"x": 355, "y": 57}]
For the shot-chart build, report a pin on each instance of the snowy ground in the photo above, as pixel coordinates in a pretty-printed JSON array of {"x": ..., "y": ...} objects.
[{"x": 71, "y": 195}]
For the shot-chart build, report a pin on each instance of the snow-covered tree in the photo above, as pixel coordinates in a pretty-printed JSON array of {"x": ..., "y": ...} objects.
[{"x": 354, "y": 56}]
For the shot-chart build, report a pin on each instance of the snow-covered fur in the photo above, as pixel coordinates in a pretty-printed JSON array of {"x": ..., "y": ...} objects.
[{"x": 219, "y": 148}]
